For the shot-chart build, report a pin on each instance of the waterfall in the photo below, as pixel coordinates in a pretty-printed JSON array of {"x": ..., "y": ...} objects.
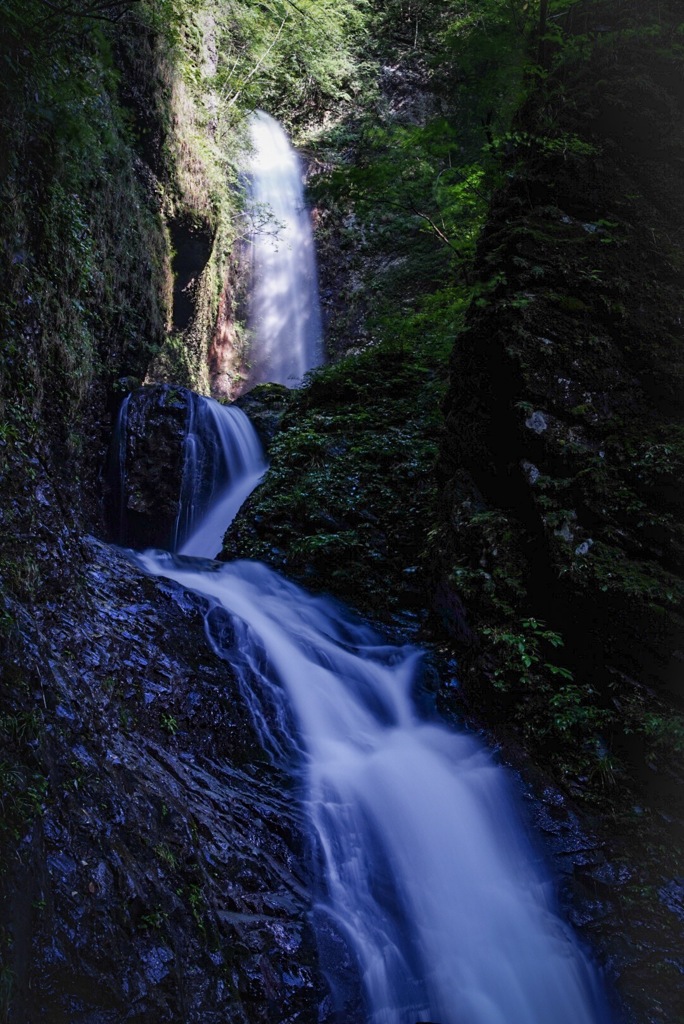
[
  {"x": 284, "y": 317},
  {"x": 222, "y": 465},
  {"x": 427, "y": 879},
  {"x": 116, "y": 471},
  {"x": 214, "y": 450},
  {"x": 427, "y": 874}
]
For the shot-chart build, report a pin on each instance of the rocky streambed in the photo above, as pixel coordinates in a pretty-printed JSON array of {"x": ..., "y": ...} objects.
[
  {"x": 158, "y": 870},
  {"x": 155, "y": 866}
]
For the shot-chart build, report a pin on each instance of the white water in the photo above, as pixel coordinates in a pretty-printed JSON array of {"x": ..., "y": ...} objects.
[
  {"x": 426, "y": 870},
  {"x": 223, "y": 464},
  {"x": 284, "y": 317}
]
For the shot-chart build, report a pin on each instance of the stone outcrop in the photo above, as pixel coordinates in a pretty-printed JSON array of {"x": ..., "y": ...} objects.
[
  {"x": 561, "y": 514},
  {"x": 147, "y": 465},
  {"x": 159, "y": 871}
]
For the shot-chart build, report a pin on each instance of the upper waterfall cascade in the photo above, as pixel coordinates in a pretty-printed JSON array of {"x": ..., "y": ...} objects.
[{"x": 284, "y": 317}]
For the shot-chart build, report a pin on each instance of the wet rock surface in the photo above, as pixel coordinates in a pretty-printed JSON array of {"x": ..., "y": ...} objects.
[
  {"x": 265, "y": 405},
  {"x": 606, "y": 889},
  {"x": 147, "y": 465},
  {"x": 345, "y": 504},
  {"x": 155, "y": 870},
  {"x": 561, "y": 531}
]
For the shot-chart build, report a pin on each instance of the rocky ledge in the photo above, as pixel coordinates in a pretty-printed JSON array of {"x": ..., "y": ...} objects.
[{"x": 154, "y": 862}]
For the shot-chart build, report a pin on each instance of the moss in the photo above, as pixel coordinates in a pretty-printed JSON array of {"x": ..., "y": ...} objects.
[
  {"x": 23, "y": 775},
  {"x": 563, "y": 444},
  {"x": 348, "y": 498}
]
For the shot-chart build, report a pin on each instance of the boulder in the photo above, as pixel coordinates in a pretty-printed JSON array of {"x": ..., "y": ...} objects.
[{"x": 146, "y": 469}]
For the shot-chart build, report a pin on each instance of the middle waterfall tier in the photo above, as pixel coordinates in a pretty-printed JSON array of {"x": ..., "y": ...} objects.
[{"x": 181, "y": 467}]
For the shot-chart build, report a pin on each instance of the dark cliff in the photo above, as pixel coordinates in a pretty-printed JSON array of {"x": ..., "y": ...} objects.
[{"x": 563, "y": 455}]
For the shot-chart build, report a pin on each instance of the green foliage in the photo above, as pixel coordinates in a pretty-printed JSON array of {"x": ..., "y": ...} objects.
[
  {"x": 22, "y": 794},
  {"x": 665, "y": 730},
  {"x": 474, "y": 51},
  {"x": 637, "y": 583},
  {"x": 402, "y": 223},
  {"x": 436, "y": 320},
  {"x": 523, "y": 653},
  {"x": 410, "y": 178},
  {"x": 78, "y": 233},
  {"x": 411, "y": 165},
  {"x": 169, "y": 723},
  {"x": 153, "y": 920},
  {"x": 167, "y": 856},
  {"x": 573, "y": 710},
  {"x": 348, "y": 499},
  {"x": 486, "y": 42},
  {"x": 197, "y": 904},
  {"x": 564, "y": 718},
  {"x": 291, "y": 58}
]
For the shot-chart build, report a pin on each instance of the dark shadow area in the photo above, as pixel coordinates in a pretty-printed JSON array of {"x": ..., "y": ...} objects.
[{"x": 191, "y": 244}]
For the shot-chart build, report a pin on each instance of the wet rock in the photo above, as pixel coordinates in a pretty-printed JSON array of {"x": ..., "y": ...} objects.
[
  {"x": 531, "y": 472},
  {"x": 265, "y": 405},
  {"x": 537, "y": 422},
  {"x": 156, "y": 964},
  {"x": 147, "y": 465},
  {"x": 164, "y": 878}
]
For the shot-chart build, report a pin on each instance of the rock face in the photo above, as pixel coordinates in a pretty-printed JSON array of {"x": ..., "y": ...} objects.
[
  {"x": 154, "y": 867},
  {"x": 561, "y": 513},
  {"x": 158, "y": 871},
  {"x": 192, "y": 243},
  {"x": 265, "y": 405},
  {"x": 147, "y": 465},
  {"x": 345, "y": 504}
]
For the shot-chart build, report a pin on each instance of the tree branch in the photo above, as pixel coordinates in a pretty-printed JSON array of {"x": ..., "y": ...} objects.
[
  {"x": 258, "y": 64},
  {"x": 411, "y": 207},
  {"x": 104, "y": 10}
]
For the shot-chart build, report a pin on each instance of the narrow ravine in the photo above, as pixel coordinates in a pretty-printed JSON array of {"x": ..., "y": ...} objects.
[
  {"x": 225, "y": 801},
  {"x": 426, "y": 875},
  {"x": 425, "y": 870}
]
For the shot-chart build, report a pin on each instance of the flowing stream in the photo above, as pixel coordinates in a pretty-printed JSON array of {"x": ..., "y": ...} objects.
[
  {"x": 426, "y": 873},
  {"x": 222, "y": 462},
  {"x": 284, "y": 317}
]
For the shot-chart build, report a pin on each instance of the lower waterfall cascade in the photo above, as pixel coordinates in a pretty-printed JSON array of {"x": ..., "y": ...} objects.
[{"x": 426, "y": 874}]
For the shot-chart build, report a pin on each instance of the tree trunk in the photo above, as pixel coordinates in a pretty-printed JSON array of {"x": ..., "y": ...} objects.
[{"x": 541, "y": 30}]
